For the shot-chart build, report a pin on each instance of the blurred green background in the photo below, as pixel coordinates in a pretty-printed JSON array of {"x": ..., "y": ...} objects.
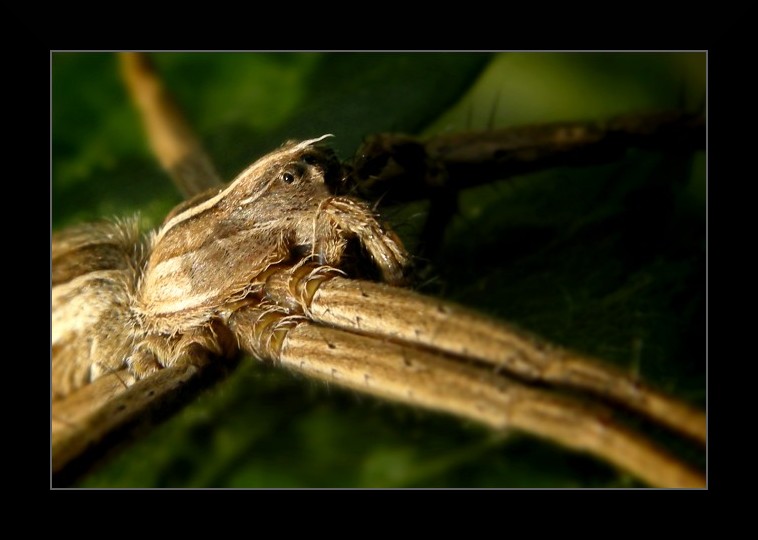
[{"x": 608, "y": 259}]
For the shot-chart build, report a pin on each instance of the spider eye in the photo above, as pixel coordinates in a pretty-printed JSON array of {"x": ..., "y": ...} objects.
[
  {"x": 310, "y": 159},
  {"x": 293, "y": 171},
  {"x": 288, "y": 178}
]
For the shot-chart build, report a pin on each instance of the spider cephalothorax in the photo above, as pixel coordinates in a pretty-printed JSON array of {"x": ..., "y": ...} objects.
[{"x": 173, "y": 292}]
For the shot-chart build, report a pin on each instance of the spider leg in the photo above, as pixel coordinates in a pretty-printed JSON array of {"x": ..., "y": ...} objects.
[
  {"x": 100, "y": 415},
  {"x": 433, "y": 380},
  {"x": 174, "y": 142},
  {"x": 355, "y": 217},
  {"x": 403, "y": 315},
  {"x": 410, "y": 167},
  {"x": 161, "y": 373}
]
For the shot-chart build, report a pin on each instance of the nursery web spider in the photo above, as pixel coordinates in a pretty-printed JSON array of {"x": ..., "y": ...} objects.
[{"x": 297, "y": 309}]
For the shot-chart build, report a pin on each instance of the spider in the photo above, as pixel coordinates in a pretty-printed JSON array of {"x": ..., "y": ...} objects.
[{"x": 493, "y": 267}]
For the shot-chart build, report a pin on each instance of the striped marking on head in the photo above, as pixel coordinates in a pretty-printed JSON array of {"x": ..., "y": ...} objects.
[{"x": 261, "y": 163}]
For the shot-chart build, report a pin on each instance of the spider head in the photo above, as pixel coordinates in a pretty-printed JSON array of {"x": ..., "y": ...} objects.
[{"x": 294, "y": 178}]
